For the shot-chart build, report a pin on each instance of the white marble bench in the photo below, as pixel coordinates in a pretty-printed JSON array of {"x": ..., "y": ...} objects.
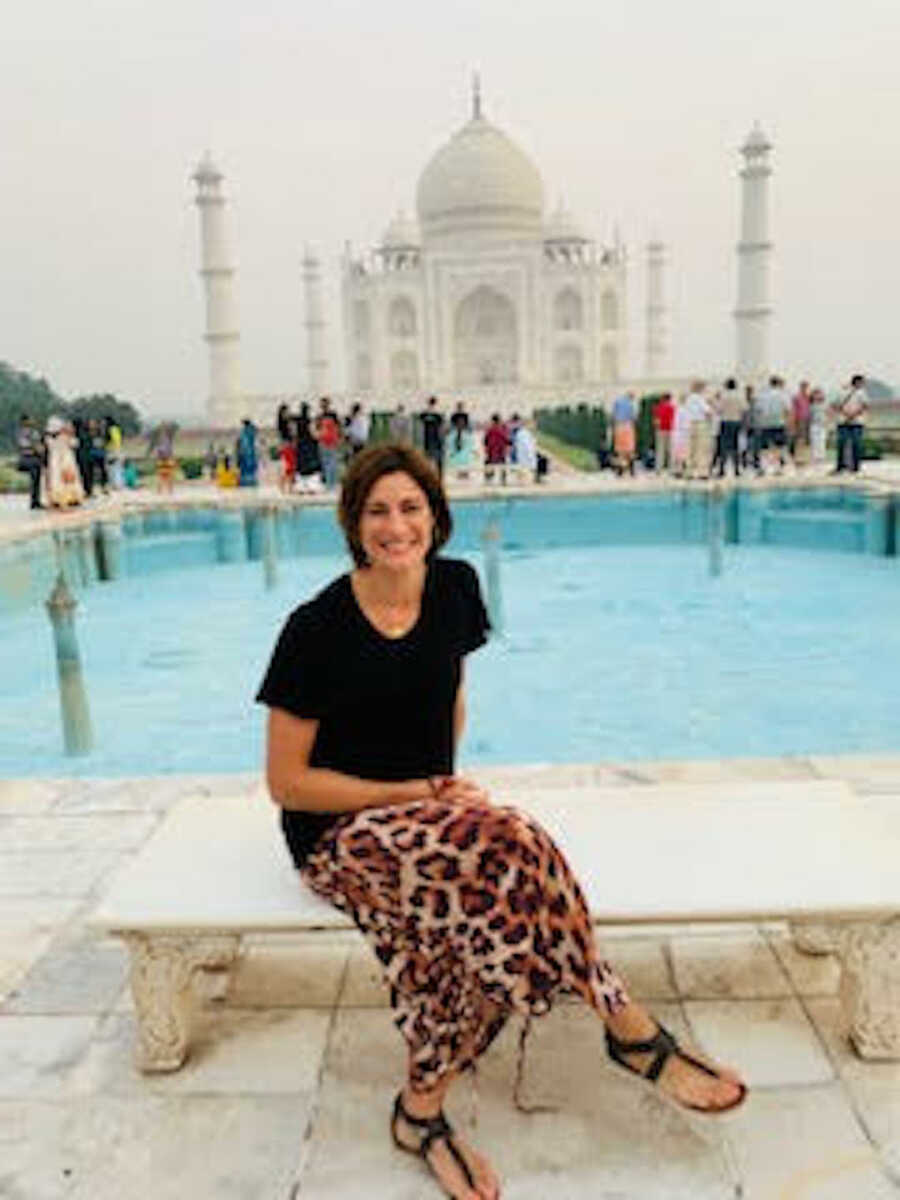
[{"x": 803, "y": 851}]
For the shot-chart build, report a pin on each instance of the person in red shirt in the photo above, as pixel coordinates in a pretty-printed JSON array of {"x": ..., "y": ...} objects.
[
  {"x": 496, "y": 446},
  {"x": 663, "y": 422}
]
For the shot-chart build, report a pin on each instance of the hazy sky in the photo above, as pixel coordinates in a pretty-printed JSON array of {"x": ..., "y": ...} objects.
[{"x": 322, "y": 117}]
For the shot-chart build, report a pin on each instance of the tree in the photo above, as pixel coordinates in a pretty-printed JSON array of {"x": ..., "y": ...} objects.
[
  {"x": 98, "y": 406},
  {"x": 21, "y": 393}
]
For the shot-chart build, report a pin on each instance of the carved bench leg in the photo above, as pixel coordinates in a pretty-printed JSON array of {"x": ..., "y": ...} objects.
[
  {"x": 870, "y": 988},
  {"x": 162, "y": 967},
  {"x": 815, "y": 937}
]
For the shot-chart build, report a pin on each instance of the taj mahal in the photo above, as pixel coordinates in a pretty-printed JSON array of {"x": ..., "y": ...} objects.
[{"x": 484, "y": 296}]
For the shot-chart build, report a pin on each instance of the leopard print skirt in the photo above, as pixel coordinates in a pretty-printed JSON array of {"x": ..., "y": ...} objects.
[{"x": 473, "y": 913}]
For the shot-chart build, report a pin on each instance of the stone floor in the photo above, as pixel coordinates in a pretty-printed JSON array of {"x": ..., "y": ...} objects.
[{"x": 287, "y": 1091}]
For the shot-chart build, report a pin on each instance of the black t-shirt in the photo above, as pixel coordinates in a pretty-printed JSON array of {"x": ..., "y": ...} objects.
[
  {"x": 384, "y": 705},
  {"x": 432, "y": 429}
]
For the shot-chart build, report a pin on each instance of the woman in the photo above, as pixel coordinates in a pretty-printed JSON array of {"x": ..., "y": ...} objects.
[
  {"x": 61, "y": 485},
  {"x": 471, "y": 909},
  {"x": 247, "y": 455},
  {"x": 307, "y": 452}
]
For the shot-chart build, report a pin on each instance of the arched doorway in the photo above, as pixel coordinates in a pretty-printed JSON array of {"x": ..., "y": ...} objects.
[{"x": 485, "y": 339}]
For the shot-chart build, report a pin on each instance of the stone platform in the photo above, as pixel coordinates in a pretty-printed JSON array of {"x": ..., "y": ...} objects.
[{"x": 288, "y": 1090}]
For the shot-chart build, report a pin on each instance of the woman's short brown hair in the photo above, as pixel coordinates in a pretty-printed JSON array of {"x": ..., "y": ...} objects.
[{"x": 367, "y": 467}]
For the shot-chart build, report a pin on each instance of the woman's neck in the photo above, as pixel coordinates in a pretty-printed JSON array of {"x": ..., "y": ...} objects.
[{"x": 394, "y": 588}]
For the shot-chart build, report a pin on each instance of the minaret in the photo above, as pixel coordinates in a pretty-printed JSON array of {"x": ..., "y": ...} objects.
[
  {"x": 217, "y": 272},
  {"x": 655, "y": 349},
  {"x": 753, "y": 311},
  {"x": 316, "y": 360}
]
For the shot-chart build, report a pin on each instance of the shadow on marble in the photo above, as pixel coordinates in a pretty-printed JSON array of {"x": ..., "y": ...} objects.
[
  {"x": 80, "y": 976},
  {"x": 810, "y": 974},
  {"x": 245, "y": 1052},
  {"x": 727, "y": 966},
  {"x": 605, "y": 1140},
  {"x": 304, "y": 974}
]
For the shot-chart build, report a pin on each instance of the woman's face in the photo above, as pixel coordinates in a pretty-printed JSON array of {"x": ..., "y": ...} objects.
[{"x": 396, "y": 526}]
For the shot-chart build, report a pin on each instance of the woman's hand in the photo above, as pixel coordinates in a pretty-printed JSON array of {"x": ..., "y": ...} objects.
[{"x": 459, "y": 790}]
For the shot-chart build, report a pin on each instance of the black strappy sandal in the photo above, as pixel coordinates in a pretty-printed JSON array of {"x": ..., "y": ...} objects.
[
  {"x": 663, "y": 1045},
  {"x": 435, "y": 1129}
]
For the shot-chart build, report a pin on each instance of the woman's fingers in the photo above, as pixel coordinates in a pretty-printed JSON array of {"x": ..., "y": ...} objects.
[{"x": 463, "y": 791}]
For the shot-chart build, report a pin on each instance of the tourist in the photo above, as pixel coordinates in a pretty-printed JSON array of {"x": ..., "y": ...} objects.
[
  {"x": 432, "y": 420},
  {"x": 247, "y": 454},
  {"x": 287, "y": 456},
  {"x": 526, "y": 451},
  {"x": 84, "y": 460},
  {"x": 753, "y": 431},
  {"x": 471, "y": 910},
  {"x": 226, "y": 473},
  {"x": 496, "y": 447},
  {"x": 697, "y": 415},
  {"x": 460, "y": 424},
  {"x": 773, "y": 409},
  {"x": 800, "y": 415},
  {"x": 624, "y": 443},
  {"x": 513, "y": 425},
  {"x": 401, "y": 425},
  {"x": 357, "y": 429},
  {"x": 309, "y": 463},
  {"x": 459, "y": 447},
  {"x": 30, "y": 447},
  {"x": 852, "y": 409},
  {"x": 681, "y": 434},
  {"x": 731, "y": 413},
  {"x": 663, "y": 421},
  {"x": 61, "y": 485},
  {"x": 818, "y": 427},
  {"x": 113, "y": 436},
  {"x": 328, "y": 436},
  {"x": 130, "y": 477},
  {"x": 164, "y": 453},
  {"x": 97, "y": 439},
  {"x": 282, "y": 423}
]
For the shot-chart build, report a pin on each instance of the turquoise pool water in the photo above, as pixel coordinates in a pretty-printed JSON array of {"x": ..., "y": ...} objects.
[{"x": 608, "y": 651}]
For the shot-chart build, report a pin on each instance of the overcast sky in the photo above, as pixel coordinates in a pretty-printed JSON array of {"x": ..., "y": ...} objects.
[{"x": 323, "y": 116}]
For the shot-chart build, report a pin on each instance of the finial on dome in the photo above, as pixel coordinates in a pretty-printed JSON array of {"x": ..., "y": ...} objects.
[{"x": 476, "y": 96}]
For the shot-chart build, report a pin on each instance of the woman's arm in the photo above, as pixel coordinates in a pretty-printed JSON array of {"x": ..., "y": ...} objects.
[
  {"x": 294, "y": 784},
  {"x": 459, "y": 711}
]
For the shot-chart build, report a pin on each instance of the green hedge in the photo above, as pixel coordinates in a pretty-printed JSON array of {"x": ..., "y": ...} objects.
[{"x": 580, "y": 426}]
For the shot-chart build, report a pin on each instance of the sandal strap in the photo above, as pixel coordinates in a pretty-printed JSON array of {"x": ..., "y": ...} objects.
[
  {"x": 436, "y": 1129},
  {"x": 662, "y": 1045}
]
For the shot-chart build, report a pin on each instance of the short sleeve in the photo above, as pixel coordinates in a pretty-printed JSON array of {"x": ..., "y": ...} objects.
[
  {"x": 296, "y": 679},
  {"x": 474, "y": 623}
]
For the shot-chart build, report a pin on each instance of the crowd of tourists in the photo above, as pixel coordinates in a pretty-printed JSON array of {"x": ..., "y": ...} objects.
[
  {"x": 69, "y": 462},
  {"x": 707, "y": 432},
  {"x": 314, "y": 448}
]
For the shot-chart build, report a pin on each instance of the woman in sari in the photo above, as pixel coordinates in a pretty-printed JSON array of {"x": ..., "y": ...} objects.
[{"x": 61, "y": 483}]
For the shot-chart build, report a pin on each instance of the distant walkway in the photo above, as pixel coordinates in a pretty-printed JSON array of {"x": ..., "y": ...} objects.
[{"x": 17, "y": 521}]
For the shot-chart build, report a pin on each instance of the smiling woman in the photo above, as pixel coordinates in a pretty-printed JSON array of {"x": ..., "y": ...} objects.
[{"x": 471, "y": 910}]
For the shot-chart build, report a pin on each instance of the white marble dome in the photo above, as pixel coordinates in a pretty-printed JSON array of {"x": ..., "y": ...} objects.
[{"x": 480, "y": 182}]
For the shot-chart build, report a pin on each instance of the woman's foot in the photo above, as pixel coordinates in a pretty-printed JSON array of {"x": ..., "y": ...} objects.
[
  {"x": 715, "y": 1088},
  {"x": 464, "y": 1175}
]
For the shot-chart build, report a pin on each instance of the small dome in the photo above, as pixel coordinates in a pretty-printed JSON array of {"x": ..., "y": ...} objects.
[
  {"x": 207, "y": 171},
  {"x": 480, "y": 181},
  {"x": 757, "y": 142},
  {"x": 561, "y": 227},
  {"x": 401, "y": 234}
]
